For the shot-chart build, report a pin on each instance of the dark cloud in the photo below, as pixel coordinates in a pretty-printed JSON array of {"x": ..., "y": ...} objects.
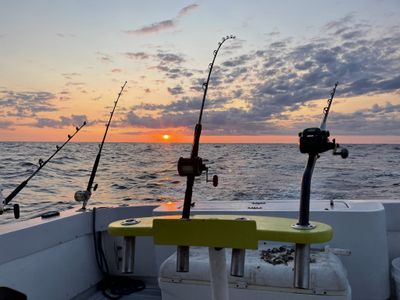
[
  {"x": 137, "y": 55},
  {"x": 170, "y": 64},
  {"x": 185, "y": 104},
  {"x": 165, "y": 24},
  {"x": 177, "y": 90},
  {"x": 217, "y": 122},
  {"x": 26, "y": 104},
  {"x": 378, "y": 120},
  {"x": 164, "y": 121},
  {"x": 6, "y": 124},
  {"x": 74, "y": 120},
  {"x": 237, "y": 61},
  {"x": 170, "y": 58}
]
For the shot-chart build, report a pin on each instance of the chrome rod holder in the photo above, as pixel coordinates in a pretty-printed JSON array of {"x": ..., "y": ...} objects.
[
  {"x": 237, "y": 262},
  {"x": 182, "y": 259},
  {"x": 302, "y": 266},
  {"x": 128, "y": 257}
]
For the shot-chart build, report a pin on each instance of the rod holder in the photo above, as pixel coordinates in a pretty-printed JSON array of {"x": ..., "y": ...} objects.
[
  {"x": 182, "y": 259},
  {"x": 302, "y": 266},
  {"x": 237, "y": 262},
  {"x": 128, "y": 257}
]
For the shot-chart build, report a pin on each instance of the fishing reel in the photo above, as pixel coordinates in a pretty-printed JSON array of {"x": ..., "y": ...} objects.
[
  {"x": 14, "y": 208},
  {"x": 315, "y": 141},
  {"x": 194, "y": 167},
  {"x": 82, "y": 196},
  {"x": 4, "y": 208}
]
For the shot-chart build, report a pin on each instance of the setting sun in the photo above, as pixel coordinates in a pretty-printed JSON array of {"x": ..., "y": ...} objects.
[{"x": 166, "y": 137}]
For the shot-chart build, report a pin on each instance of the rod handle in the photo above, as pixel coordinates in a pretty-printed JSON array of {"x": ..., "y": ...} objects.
[{"x": 15, "y": 192}]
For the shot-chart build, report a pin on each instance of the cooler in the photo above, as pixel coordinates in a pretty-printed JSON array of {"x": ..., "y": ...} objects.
[{"x": 262, "y": 280}]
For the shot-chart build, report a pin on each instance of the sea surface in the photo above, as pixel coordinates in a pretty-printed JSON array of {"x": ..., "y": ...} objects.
[{"x": 143, "y": 173}]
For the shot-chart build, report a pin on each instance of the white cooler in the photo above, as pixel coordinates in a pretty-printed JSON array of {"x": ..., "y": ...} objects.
[{"x": 262, "y": 280}]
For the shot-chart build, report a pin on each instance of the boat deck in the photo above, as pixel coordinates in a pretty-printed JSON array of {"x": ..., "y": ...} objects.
[
  {"x": 151, "y": 292},
  {"x": 146, "y": 294}
]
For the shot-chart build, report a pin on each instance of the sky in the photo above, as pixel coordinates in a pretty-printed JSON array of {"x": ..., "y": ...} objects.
[{"x": 64, "y": 62}]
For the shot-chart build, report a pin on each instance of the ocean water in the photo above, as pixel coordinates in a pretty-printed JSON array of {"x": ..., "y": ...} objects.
[{"x": 135, "y": 172}]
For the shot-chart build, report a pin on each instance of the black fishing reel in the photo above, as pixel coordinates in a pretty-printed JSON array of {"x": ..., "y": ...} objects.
[
  {"x": 14, "y": 208},
  {"x": 194, "y": 167},
  {"x": 315, "y": 141},
  {"x": 5, "y": 208}
]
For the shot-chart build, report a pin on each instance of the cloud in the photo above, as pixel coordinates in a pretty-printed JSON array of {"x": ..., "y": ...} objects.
[
  {"x": 216, "y": 122},
  {"x": 165, "y": 24},
  {"x": 177, "y": 90},
  {"x": 75, "y": 83},
  {"x": 136, "y": 55},
  {"x": 104, "y": 57},
  {"x": 26, "y": 104},
  {"x": 116, "y": 70},
  {"x": 70, "y": 76},
  {"x": 170, "y": 64},
  {"x": 170, "y": 58},
  {"x": 6, "y": 124},
  {"x": 240, "y": 60},
  {"x": 64, "y": 96},
  {"x": 65, "y": 35},
  {"x": 185, "y": 104},
  {"x": 283, "y": 76},
  {"x": 187, "y": 9},
  {"x": 154, "y": 28},
  {"x": 379, "y": 119},
  {"x": 74, "y": 120}
]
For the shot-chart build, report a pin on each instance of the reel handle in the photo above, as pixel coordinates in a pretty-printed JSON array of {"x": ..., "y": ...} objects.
[
  {"x": 15, "y": 210},
  {"x": 214, "y": 179},
  {"x": 343, "y": 152}
]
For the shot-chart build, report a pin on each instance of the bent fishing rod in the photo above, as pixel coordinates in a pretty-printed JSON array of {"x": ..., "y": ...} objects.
[
  {"x": 193, "y": 167},
  {"x": 84, "y": 196},
  {"x": 313, "y": 141},
  {"x": 19, "y": 188}
]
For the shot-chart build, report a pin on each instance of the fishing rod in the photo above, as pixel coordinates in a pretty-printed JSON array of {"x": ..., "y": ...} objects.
[
  {"x": 84, "y": 196},
  {"x": 313, "y": 141},
  {"x": 193, "y": 167},
  {"x": 42, "y": 163}
]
